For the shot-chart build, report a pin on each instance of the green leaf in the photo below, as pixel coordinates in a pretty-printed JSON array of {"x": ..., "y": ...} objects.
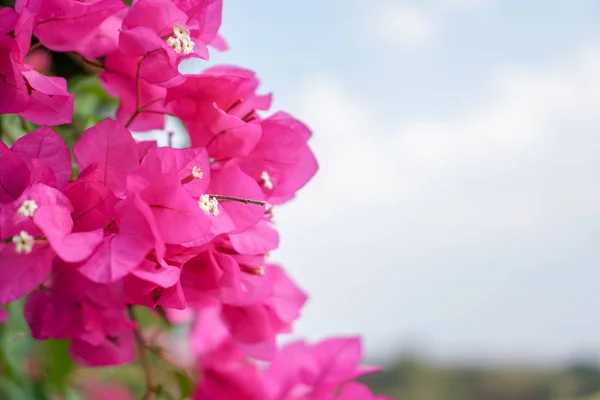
[
  {"x": 11, "y": 391},
  {"x": 59, "y": 364},
  {"x": 11, "y": 128},
  {"x": 39, "y": 391},
  {"x": 15, "y": 344},
  {"x": 72, "y": 394},
  {"x": 185, "y": 384}
]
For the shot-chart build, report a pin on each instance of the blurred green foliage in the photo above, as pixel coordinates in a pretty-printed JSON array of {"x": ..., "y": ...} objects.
[
  {"x": 412, "y": 379},
  {"x": 44, "y": 370}
]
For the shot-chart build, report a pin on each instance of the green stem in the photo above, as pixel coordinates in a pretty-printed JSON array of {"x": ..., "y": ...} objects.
[{"x": 151, "y": 386}]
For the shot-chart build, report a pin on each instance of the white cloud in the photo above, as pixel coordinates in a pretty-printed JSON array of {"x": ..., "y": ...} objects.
[
  {"x": 419, "y": 25},
  {"x": 463, "y": 208},
  {"x": 462, "y": 5},
  {"x": 404, "y": 25},
  {"x": 526, "y": 114}
]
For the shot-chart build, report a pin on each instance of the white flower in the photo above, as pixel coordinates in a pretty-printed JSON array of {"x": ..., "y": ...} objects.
[
  {"x": 209, "y": 206},
  {"x": 188, "y": 45},
  {"x": 180, "y": 31},
  {"x": 214, "y": 203},
  {"x": 28, "y": 208},
  {"x": 181, "y": 41},
  {"x": 175, "y": 43},
  {"x": 267, "y": 182},
  {"x": 197, "y": 172},
  {"x": 23, "y": 242},
  {"x": 205, "y": 204}
]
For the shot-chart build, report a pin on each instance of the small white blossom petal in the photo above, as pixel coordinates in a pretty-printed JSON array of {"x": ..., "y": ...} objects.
[
  {"x": 197, "y": 173},
  {"x": 208, "y": 206},
  {"x": 175, "y": 43},
  {"x": 23, "y": 242},
  {"x": 28, "y": 208},
  {"x": 188, "y": 45},
  {"x": 205, "y": 204},
  {"x": 215, "y": 206},
  {"x": 267, "y": 182},
  {"x": 181, "y": 31}
]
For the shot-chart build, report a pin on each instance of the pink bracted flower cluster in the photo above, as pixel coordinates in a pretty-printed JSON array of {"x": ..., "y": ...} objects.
[{"x": 185, "y": 232}]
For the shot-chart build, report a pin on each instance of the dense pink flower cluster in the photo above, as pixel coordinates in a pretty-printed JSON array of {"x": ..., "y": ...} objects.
[{"x": 183, "y": 231}]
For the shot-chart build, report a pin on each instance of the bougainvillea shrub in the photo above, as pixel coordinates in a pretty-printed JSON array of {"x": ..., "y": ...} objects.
[{"x": 133, "y": 270}]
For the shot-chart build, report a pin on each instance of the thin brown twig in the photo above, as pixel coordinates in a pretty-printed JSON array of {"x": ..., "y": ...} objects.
[
  {"x": 93, "y": 63},
  {"x": 157, "y": 112},
  {"x": 238, "y": 199},
  {"x": 150, "y": 103},
  {"x": 138, "y": 94},
  {"x": 25, "y": 125}
]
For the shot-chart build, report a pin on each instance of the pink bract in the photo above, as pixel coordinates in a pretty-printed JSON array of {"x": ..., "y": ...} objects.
[
  {"x": 46, "y": 146},
  {"x": 64, "y": 25},
  {"x": 111, "y": 147}
]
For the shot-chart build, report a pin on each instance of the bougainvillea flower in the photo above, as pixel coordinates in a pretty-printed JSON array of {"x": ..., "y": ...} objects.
[
  {"x": 175, "y": 213},
  {"x": 219, "y": 43},
  {"x": 15, "y": 37},
  {"x": 123, "y": 251},
  {"x": 49, "y": 101},
  {"x": 15, "y": 31},
  {"x": 116, "y": 349},
  {"x": 38, "y": 157},
  {"x": 206, "y": 14},
  {"x": 231, "y": 88},
  {"x": 282, "y": 161},
  {"x": 234, "y": 380},
  {"x": 15, "y": 97},
  {"x": 14, "y": 176},
  {"x": 253, "y": 328},
  {"x": 57, "y": 225},
  {"x": 33, "y": 269},
  {"x": 234, "y": 217},
  {"x": 35, "y": 228},
  {"x": 216, "y": 273},
  {"x": 64, "y": 25},
  {"x": 111, "y": 146},
  {"x": 190, "y": 165},
  {"x": 218, "y": 107},
  {"x": 93, "y": 204},
  {"x": 92, "y": 315},
  {"x": 184, "y": 232},
  {"x": 72, "y": 306},
  {"x": 226, "y": 372},
  {"x": 141, "y": 104},
  {"x": 303, "y": 371},
  {"x": 153, "y": 285},
  {"x": 45, "y": 145},
  {"x": 223, "y": 135},
  {"x": 258, "y": 240},
  {"x": 40, "y": 99},
  {"x": 104, "y": 40},
  {"x": 280, "y": 310},
  {"x": 163, "y": 35},
  {"x": 18, "y": 215}
]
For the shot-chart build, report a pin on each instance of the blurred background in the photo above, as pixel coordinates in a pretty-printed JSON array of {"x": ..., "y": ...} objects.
[{"x": 455, "y": 219}]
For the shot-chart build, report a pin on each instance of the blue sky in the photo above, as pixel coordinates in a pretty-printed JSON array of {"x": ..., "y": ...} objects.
[{"x": 457, "y": 208}]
